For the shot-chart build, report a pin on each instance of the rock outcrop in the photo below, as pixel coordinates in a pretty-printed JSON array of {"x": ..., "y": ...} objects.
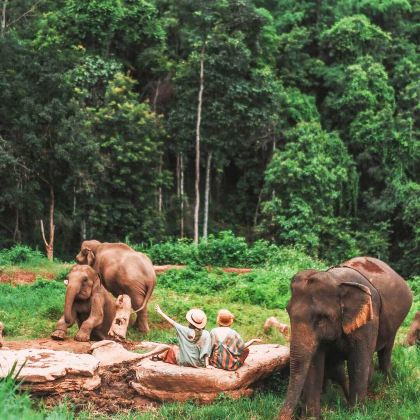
[
  {"x": 115, "y": 374},
  {"x": 165, "y": 382},
  {"x": 45, "y": 371}
]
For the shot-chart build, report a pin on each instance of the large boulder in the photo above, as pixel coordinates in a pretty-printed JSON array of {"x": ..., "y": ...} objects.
[
  {"x": 165, "y": 382},
  {"x": 46, "y": 371}
]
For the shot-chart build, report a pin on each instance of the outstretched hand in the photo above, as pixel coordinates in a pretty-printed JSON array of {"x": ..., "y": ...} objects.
[{"x": 158, "y": 310}]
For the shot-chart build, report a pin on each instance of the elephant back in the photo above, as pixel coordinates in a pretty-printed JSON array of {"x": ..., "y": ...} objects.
[{"x": 396, "y": 297}]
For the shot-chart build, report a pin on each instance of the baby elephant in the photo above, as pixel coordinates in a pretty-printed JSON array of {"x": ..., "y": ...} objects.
[
  {"x": 413, "y": 336},
  {"x": 87, "y": 303}
]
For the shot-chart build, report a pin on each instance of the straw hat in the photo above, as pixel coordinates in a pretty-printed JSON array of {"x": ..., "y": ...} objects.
[
  {"x": 197, "y": 318},
  {"x": 225, "y": 318}
]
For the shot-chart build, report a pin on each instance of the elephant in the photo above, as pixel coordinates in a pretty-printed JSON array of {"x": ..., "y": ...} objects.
[
  {"x": 122, "y": 271},
  {"x": 343, "y": 314},
  {"x": 88, "y": 303},
  {"x": 413, "y": 336}
]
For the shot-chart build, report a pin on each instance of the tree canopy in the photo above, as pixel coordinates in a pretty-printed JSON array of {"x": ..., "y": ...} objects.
[{"x": 308, "y": 129}]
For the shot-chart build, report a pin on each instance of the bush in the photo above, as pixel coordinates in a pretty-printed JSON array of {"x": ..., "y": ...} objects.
[
  {"x": 195, "y": 279},
  {"x": 222, "y": 250},
  {"x": 181, "y": 251},
  {"x": 20, "y": 254}
]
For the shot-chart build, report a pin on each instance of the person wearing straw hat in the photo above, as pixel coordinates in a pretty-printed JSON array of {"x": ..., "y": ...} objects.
[
  {"x": 229, "y": 351},
  {"x": 194, "y": 341}
]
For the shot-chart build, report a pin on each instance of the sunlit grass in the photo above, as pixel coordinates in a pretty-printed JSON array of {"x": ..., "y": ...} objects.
[{"x": 31, "y": 311}]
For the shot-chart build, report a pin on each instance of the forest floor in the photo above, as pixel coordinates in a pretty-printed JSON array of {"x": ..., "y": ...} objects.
[{"x": 31, "y": 301}]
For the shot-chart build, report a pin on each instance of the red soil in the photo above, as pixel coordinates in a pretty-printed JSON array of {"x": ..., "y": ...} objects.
[
  {"x": 23, "y": 277},
  {"x": 27, "y": 277}
]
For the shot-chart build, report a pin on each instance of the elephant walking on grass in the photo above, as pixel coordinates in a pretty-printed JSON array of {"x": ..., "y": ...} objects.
[
  {"x": 343, "y": 314},
  {"x": 122, "y": 271}
]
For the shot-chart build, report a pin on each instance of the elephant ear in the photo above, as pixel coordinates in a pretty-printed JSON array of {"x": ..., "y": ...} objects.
[
  {"x": 96, "y": 283},
  {"x": 356, "y": 306},
  {"x": 90, "y": 256}
]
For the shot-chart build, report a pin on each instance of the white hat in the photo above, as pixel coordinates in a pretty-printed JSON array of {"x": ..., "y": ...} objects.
[{"x": 197, "y": 318}]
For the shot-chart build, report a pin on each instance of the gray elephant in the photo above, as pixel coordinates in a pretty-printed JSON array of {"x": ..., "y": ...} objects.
[
  {"x": 122, "y": 271},
  {"x": 88, "y": 304},
  {"x": 343, "y": 314}
]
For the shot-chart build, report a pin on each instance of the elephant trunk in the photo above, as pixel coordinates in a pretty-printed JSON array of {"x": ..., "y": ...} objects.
[
  {"x": 302, "y": 350},
  {"x": 72, "y": 291}
]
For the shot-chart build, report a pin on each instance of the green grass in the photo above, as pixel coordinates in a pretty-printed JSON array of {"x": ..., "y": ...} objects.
[{"x": 30, "y": 311}]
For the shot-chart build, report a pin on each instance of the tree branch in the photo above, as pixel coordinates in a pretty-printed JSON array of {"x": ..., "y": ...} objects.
[{"x": 43, "y": 233}]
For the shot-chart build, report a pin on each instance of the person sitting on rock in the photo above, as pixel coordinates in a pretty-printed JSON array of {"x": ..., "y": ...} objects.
[
  {"x": 229, "y": 351},
  {"x": 194, "y": 341}
]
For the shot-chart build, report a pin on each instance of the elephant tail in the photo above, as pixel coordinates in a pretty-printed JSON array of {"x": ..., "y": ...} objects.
[{"x": 146, "y": 298}]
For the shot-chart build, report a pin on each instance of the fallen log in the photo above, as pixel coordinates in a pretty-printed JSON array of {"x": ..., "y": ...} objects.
[
  {"x": 119, "y": 326},
  {"x": 165, "y": 382}
]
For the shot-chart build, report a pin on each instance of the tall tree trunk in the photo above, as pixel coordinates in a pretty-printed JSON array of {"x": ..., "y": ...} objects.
[
  {"x": 160, "y": 194},
  {"x": 207, "y": 196},
  {"x": 257, "y": 209},
  {"x": 3, "y": 18},
  {"x": 273, "y": 192},
  {"x": 178, "y": 176},
  {"x": 181, "y": 191},
  {"x": 83, "y": 229},
  {"x": 49, "y": 245},
  {"x": 17, "y": 234},
  {"x": 74, "y": 200},
  {"x": 197, "y": 147}
]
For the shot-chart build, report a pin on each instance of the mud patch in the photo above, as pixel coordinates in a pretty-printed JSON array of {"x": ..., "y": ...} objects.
[{"x": 114, "y": 396}]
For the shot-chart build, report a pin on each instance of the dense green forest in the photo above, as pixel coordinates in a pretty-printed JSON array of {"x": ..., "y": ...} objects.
[{"x": 304, "y": 112}]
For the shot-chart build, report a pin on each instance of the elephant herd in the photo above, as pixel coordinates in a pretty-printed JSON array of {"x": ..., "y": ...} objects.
[{"x": 339, "y": 316}]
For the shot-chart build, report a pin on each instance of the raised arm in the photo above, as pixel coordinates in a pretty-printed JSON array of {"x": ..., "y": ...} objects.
[
  {"x": 251, "y": 342},
  {"x": 163, "y": 315}
]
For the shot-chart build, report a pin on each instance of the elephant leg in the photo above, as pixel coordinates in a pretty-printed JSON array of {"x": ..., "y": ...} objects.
[
  {"x": 371, "y": 371},
  {"x": 313, "y": 386},
  {"x": 337, "y": 374},
  {"x": 384, "y": 357},
  {"x": 141, "y": 321},
  {"x": 61, "y": 327},
  {"x": 358, "y": 367},
  {"x": 95, "y": 319}
]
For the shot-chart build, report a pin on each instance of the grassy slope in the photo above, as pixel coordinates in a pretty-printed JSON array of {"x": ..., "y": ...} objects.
[{"x": 30, "y": 311}]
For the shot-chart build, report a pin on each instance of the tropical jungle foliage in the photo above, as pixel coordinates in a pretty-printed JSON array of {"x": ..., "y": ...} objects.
[{"x": 308, "y": 125}]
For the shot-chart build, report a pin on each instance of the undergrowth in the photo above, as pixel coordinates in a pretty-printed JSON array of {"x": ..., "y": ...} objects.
[{"x": 31, "y": 311}]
